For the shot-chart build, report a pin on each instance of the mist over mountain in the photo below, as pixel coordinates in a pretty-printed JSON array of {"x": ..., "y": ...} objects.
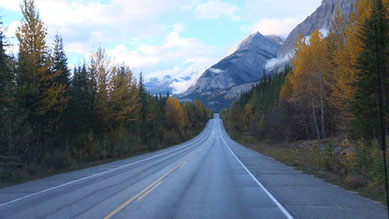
[
  {"x": 220, "y": 84},
  {"x": 236, "y": 73},
  {"x": 156, "y": 86}
]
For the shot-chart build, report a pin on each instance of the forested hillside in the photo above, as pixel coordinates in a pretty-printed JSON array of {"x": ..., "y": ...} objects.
[
  {"x": 52, "y": 118},
  {"x": 337, "y": 88}
]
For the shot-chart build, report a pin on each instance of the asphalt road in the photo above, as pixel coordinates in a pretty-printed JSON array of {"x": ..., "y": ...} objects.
[{"x": 210, "y": 176}]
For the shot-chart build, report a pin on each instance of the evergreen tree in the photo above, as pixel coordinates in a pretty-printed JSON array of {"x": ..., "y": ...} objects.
[
  {"x": 143, "y": 128},
  {"x": 60, "y": 62},
  {"x": 371, "y": 62},
  {"x": 62, "y": 72},
  {"x": 81, "y": 105},
  {"x": 8, "y": 111},
  {"x": 41, "y": 97}
]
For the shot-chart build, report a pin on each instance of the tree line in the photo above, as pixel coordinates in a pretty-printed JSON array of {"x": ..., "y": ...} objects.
[
  {"x": 332, "y": 86},
  {"x": 336, "y": 92},
  {"x": 51, "y": 118}
]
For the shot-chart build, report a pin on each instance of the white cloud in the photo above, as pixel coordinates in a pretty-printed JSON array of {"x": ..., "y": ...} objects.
[
  {"x": 182, "y": 85},
  {"x": 186, "y": 54},
  {"x": 12, "y": 5},
  {"x": 162, "y": 73},
  {"x": 216, "y": 10},
  {"x": 273, "y": 26},
  {"x": 215, "y": 70},
  {"x": 10, "y": 34},
  {"x": 277, "y": 61},
  {"x": 86, "y": 21}
]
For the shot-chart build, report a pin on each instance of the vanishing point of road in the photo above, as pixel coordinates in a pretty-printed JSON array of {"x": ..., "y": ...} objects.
[{"x": 210, "y": 176}]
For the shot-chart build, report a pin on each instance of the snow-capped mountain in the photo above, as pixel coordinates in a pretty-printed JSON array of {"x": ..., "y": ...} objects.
[
  {"x": 156, "y": 86},
  {"x": 236, "y": 73}
]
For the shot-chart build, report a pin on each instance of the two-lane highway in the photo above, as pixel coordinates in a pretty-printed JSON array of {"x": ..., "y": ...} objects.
[
  {"x": 198, "y": 179},
  {"x": 210, "y": 176}
]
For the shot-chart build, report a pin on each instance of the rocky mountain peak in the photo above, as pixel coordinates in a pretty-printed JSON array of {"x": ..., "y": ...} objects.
[
  {"x": 320, "y": 19},
  {"x": 257, "y": 41},
  {"x": 234, "y": 74}
]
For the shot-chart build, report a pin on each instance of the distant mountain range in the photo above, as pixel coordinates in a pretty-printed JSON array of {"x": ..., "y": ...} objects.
[
  {"x": 220, "y": 84},
  {"x": 156, "y": 86}
]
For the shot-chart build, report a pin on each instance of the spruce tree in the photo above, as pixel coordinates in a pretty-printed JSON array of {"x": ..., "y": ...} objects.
[
  {"x": 60, "y": 62},
  {"x": 7, "y": 104},
  {"x": 371, "y": 62},
  {"x": 369, "y": 103},
  {"x": 62, "y": 72},
  {"x": 81, "y": 105},
  {"x": 40, "y": 96}
]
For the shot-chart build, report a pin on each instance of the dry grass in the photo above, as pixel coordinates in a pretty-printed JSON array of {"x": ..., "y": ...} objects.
[{"x": 304, "y": 156}]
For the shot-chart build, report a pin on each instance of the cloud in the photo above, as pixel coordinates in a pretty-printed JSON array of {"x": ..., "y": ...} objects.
[
  {"x": 216, "y": 70},
  {"x": 91, "y": 22},
  {"x": 12, "y": 5},
  {"x": 11, "y": 38},
  {"x": 277, "y": 61},
  {"x": 182, "y": 85},
  {"x": 185, "y": 54},
  {"x": 273, "y": 26},
  {"x": 216, "y": 10}
]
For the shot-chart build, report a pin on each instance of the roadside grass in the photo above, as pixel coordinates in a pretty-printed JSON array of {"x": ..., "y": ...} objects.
[
  {"x": 34, "y": 171},
  {"x": 309, "y": 158},
  {"x": 22, "y": 175}
]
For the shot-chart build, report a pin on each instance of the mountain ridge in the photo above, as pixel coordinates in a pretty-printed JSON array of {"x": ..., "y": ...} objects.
[{"x": 244, "y": 65}]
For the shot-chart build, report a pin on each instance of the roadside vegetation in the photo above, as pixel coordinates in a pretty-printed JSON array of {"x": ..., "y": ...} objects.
[
  {"x": 322, "y": 113},
  {"x": 53, "y": 120}
]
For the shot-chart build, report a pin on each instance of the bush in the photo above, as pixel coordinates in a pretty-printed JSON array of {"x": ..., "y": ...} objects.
[
  {"x": 356, "y": 181},
  {"x": 56, "y": 160}
]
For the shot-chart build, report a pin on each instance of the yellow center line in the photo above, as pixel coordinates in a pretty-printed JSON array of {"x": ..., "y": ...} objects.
[
  {"x": 153, "y": 185},
  {"x": 146, "y": 193},
  {"x": 183, "y": 164}
]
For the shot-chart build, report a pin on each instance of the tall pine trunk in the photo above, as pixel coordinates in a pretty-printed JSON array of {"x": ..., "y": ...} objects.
[
  {"x": 323, "y": 133},
  {"x": 314, "y": 116}
]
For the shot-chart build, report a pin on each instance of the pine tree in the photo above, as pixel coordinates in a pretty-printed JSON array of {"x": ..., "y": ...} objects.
[
  {"x": 8, "y": 109},
  {"x": 62, "y": 72},
  {"x": 81, "y": 105},
  {"x": 60, "y": 62},
  {"x": 124, "y": 102},
  {"x": 41, "y": 97},
  {"x": 372, "y": 60},
  {"x": 369, "y": 104},
  {"x": 101, "y": 70}
]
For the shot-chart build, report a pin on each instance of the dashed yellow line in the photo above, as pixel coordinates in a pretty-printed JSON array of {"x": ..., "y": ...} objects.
[{"x": 150, "y": 188}]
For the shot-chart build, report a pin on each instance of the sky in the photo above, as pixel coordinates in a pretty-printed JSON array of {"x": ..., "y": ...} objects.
[{"x": 159, "y": 37}]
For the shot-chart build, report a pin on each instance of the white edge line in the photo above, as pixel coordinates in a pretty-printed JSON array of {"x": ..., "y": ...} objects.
[
  {"x": 87, "y": 177},
  {"x": 286, "y": 213}
]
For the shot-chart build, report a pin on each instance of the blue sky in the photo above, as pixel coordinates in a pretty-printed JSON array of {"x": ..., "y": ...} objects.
[{"x": 160, "y": 37}]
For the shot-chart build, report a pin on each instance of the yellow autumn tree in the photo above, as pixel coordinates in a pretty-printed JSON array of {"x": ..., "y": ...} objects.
[
  {"x": 287, "y": 87},
  {"x": 175, "y": 114},
  {"x": 43, "y": 99},
  {"x": 311, "y": 77},
  {"x": 101, "y": 69},
  {"x": 124, "y": 100},
  {"x": 345, "y": 46}
]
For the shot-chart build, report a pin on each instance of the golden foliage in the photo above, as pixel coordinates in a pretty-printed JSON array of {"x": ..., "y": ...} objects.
[
  {"x": 175, "y": 113},
  {"x": 124, "y": 100},
  {"x": 35, "y": 63}
]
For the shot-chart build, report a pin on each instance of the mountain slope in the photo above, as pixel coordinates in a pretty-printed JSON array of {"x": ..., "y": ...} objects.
[
  {"x": 235, "y": 73},
  {"x": 320, "y": 19}
]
